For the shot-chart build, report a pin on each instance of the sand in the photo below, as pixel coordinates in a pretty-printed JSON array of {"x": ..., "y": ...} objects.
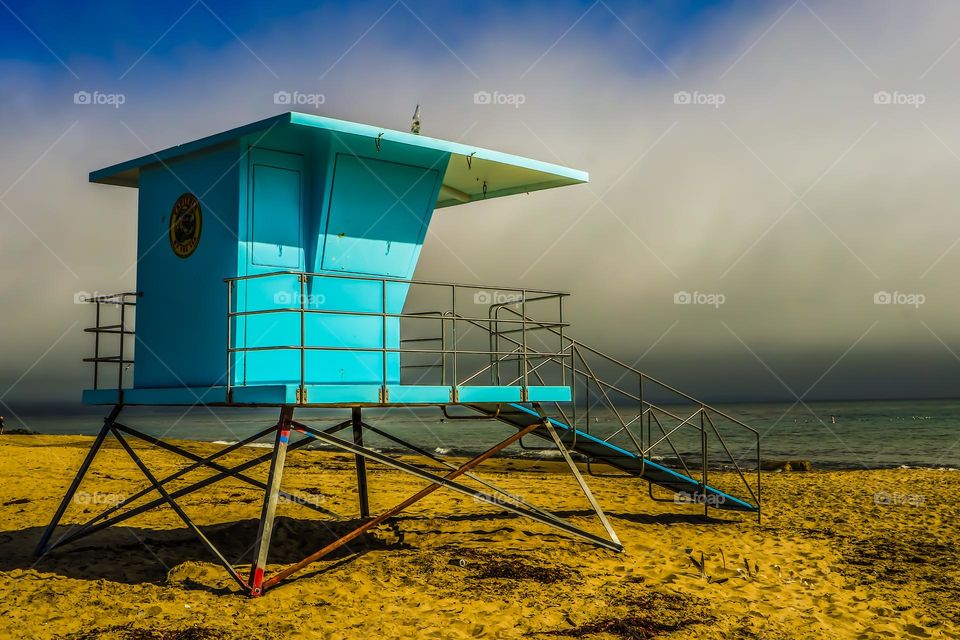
[{"x": 854, "y": 554}]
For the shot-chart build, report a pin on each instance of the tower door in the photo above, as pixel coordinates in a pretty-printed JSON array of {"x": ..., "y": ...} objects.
[
  {"x": 275, "y": 242},
  {"x": 276, "y": 210}
]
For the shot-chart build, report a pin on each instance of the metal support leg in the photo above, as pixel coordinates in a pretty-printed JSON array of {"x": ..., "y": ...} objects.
[
  {"x": 583, "y": 484},
  {"x": 361, "y": 464},
  {"x": 77, "y": 479},
  {"x": 270, "y": 501}
]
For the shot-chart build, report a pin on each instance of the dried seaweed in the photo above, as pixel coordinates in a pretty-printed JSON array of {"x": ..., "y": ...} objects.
[
  {"x": 649, "y": 615},
  {"x": 129, "y": 632}
]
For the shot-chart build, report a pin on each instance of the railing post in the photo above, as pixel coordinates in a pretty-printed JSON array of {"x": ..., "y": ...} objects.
[
  {"x": 523, "y": 333},
  {"x": 643, "y": 455},
  {"x": 649, "y": 453},
  {"x": 303, "y": 337},
  {"x": 123, "y": 324},
  {"x": 640, "y": 395},
  {"x": 96, "y": 348},
  {"x": 495, "y": 339},
  {"x": 563, "y": 369},
  {"x": 229, "y": 396},
  {"x": 573, "y": 383},
  {"x": 586, "y": 389},
  {"x": 703, "y": 489},
  {"x": 453, "y": 332},
  {"x": 758, "y": 479},
  {"x": 443, "y": 351},
  {"x": 383, "y": 339}
]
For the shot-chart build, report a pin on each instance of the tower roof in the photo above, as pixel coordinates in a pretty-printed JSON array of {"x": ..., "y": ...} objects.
[{"x": 472, "y": 173}]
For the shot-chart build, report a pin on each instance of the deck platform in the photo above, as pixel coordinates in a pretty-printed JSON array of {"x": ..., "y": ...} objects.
[{"x": 327, "y": 395}]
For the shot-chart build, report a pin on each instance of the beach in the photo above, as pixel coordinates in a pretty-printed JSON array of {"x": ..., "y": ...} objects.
[{"x": 837, "y": 554}]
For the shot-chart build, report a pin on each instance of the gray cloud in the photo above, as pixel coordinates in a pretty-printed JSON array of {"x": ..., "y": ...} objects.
[{"x": 694, "y": 198}]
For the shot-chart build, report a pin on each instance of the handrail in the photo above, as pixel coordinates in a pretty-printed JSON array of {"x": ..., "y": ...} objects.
[
  {"x": 645, "y": 376},
  {"x": 647, "y": 408},
  {"x": 346, "y": 276},
  {"x": 447, "y": 344},
  {"x": 584, "y": 370},
  {"x": 120, "y": 300}
]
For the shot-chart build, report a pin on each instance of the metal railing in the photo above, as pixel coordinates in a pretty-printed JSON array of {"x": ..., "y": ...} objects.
[
  {"x": 120, "y": 325},
  {"x": 649, "y": 417},
  {"x": 435, "y": 341}
]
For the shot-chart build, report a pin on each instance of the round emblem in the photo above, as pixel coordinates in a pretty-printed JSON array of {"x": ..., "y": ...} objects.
[{"x": 186, "y": 222}]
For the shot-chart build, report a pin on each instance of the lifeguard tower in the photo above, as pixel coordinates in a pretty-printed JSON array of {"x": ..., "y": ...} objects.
[{"x": 275, "y": 266}]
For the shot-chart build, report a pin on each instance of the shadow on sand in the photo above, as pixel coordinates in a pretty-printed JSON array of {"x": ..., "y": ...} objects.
[{"x": 134, "y": 555}]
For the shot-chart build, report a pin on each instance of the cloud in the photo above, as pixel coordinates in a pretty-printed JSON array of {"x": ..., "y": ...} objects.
[{"x": 798, "y": 197}]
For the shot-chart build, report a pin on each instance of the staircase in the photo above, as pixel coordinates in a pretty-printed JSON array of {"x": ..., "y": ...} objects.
[
  {"x": 598, "y": 450},
  {"x": 651, "y": 430}
]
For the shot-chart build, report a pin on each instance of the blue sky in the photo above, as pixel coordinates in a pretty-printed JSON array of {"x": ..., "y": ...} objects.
[{"x": 112, "y": 35}]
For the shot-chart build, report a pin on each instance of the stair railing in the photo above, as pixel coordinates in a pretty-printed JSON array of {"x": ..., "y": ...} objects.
[
  {"x": 655, "y": 428},
  {"x": 599, "y": 392}
]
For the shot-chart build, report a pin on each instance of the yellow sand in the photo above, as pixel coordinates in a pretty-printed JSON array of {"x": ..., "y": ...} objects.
[{"x": 827, "y": 561}]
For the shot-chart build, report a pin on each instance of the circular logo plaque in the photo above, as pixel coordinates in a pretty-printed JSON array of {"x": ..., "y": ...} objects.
[{"x": 186, "y": 222}]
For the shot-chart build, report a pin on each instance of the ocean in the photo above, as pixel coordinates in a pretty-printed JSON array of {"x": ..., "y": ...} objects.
[{"x": 832, "y": 435}]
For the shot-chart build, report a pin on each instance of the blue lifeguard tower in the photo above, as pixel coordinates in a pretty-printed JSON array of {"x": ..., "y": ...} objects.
[{"x": 275, "y": 269}]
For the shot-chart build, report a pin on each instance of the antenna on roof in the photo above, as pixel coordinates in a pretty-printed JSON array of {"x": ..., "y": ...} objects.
[{"x": 415, "y": 123}]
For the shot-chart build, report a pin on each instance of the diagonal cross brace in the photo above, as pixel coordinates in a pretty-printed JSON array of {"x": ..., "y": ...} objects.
[
  {"x": 370, "y": 524},
  {"x": 176, "y": 507},
  {"x": 437, "y": 482},
  {"x": 449, "y": 482},
  {"x": 77, "y": 532},
  {"x": 91, "y": 526},
  {"x": 218, "y": 467},
  {"x": 490, "y": 485},
  {"x": 200, "y": 484}
]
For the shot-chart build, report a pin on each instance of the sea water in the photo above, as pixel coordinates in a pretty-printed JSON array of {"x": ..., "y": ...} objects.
[{"x": 832, "y": 435}]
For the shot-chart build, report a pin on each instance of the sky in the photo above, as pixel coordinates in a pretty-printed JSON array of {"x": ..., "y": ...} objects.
[{"x": 787, "y": 168}]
